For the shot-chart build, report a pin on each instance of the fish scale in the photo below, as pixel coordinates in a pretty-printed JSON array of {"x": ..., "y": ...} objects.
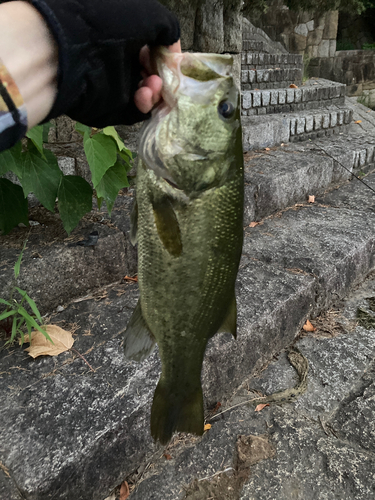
[{"x": 189, "y": 232}]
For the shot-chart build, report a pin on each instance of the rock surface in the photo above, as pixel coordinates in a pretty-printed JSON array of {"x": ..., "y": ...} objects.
[
  {"x": 321, "y": 447},
  {"x": 92, "y": 427}
]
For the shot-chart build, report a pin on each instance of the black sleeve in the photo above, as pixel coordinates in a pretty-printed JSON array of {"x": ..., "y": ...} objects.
[{"x": 99, "y": 43}]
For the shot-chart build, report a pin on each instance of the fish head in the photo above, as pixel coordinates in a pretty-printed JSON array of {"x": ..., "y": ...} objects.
[{"x": 192, "y": 136}]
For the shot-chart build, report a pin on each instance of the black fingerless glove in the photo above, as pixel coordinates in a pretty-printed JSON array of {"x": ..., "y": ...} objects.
[{"x": 99, "y": 43}]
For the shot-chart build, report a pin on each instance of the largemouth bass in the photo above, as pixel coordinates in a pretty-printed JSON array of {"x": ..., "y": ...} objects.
[{"x": 189, "y": 217}]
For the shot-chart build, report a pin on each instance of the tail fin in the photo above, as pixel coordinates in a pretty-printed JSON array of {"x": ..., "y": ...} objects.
[{"x": 176, "y": 411}]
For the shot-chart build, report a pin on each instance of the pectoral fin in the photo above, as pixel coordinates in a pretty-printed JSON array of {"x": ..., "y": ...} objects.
[
  {"x": 134, "y": 224},
  {"x": 167, "y": 226},
  {"x": 230, "y": 321},
  {"x": 139, "y": 342}
]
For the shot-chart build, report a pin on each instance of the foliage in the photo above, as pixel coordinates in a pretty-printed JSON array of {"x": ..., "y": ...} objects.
[
  {"x": 368, "y": 46},
  {"x": 38, "y": 172},
  {"x": 14, "y": 317},
  {"x": 344, "y": 45}
]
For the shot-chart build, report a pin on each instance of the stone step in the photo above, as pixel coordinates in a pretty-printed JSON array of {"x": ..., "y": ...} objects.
[
  {"x": 250, "y": 60},
  {"x": 92, "y": 427},
  {"x": 284, "y": 176},
  {"x": 270, "y": 78},
  {"x": 251, "y": 34},
  {"x": 312, "y": 95},
  {"x": 254, "y": 46},
  {"x": 270, "y": 130}
]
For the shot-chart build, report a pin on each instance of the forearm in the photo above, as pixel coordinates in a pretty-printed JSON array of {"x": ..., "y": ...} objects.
[{"x": 30, "y": 54}]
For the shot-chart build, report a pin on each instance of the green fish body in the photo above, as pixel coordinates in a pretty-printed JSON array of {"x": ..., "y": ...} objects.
[{"x": 189, "y": 231}]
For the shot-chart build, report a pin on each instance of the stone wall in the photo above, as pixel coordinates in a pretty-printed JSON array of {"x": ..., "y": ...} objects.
[
  {"x": 210, "y": 26},
  {"x": 307, "y": 33},
  {"x": 355, "y": 68}
]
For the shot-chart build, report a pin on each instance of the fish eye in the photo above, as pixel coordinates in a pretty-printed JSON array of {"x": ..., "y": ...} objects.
[{"x": 226, "y": 109}]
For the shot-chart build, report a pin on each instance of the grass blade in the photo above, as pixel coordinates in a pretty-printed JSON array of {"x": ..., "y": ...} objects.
[
  {"x": 33, "y": 323},
  {"x": 17, "y": 266},
  {"x": 6, "y": 314},
  {"x": 14, "y": 330},
  {"x": 31, "y": 303}
]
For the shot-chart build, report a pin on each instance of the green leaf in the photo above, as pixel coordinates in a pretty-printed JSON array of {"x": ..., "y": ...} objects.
[
  {"x": 100, "y": 201},
  {"x": 7, "y": 314},
  {"x": 112, "y": 132},
  {"x": 31, "y": 303},
  {"x": 75, "y": 200},
  {"x": 36, "y": 135},
  {"x": 5, "y": 302},
  {"x": 126, "y": 155},
  {"x": 13, "y": 206},
  {"x": 41, "y": 177},
  {"x": 101, "y": 152},
  {"x": 46, "y": 128},
  {"x": 17, "y": 266},
  {"x": 113, "y": 180},
  {"x": 10, "y": 159},
  {"x": 82, "y": 129}
]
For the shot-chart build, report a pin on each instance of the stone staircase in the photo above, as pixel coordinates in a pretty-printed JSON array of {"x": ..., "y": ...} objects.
[{"x": 299, "y": 259}]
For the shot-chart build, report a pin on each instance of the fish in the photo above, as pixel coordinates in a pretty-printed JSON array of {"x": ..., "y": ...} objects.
[{"x": 188, "y": 223}]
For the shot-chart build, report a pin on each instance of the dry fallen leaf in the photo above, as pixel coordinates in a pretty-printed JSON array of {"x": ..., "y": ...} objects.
[
  {"x": 128, "y": 278},
  {"x": 308, "y": 327},
  {"x": 253, "y": 224},
  {"x": 358, "y": 121},
  {"x": 40, "y": 346},
  {"x": 311, "y": 199},
  {"x": 207, "y": 427},
  {"x": 167, "y": 456},
  {"x": 292, "y": 86},
  {"x": 124, "y": 491},
  {"x": 261, "y": 406},
  {"x": 218, "y": 404}
]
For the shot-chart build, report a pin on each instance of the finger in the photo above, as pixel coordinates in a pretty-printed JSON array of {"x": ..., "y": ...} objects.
[
  {"x": 176, "y": 47},
  {"x": 143, "y": 99},
  {"x": 154, "y": 83},
  {"x": 145, "y": 60},
  {"x": 147, "y": 96}
]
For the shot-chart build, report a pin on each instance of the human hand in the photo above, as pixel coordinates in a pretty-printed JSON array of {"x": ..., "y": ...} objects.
[
  {"x": 99, "y": 45},
  {"x": 149, "y": 92}
]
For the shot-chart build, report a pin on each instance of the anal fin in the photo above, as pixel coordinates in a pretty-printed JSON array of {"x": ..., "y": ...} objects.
[
  {"x": 230, "y": 321},
  {"x": 139, "y": 341}
]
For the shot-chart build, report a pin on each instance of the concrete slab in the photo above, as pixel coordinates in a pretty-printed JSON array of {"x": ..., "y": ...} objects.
[{"x": 335, "y": 246}]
